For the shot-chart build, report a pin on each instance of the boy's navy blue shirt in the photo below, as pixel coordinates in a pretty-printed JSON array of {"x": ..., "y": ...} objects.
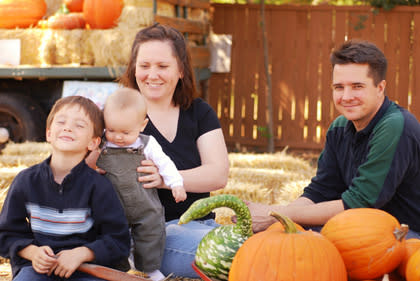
[
  {"x": 377, "y": 167},
  {"x": 82, "y": 211}
]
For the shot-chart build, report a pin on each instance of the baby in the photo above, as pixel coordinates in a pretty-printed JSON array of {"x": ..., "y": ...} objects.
[{"x": 123, "y": 149}]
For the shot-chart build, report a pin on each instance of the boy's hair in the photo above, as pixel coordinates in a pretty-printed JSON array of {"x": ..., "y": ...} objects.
[
  {"x": 362, "y": 52},
  {"x": 124, "y": 98},
  {"x": 89, "y": 107}
]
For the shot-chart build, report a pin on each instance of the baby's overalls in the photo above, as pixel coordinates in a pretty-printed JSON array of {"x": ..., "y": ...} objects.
[{"x": 143, "y": 209}]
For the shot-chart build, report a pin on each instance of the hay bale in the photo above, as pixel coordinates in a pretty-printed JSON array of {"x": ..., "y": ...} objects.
[
  {"x": 135, "y": 17},
  {"x": 30, "y": 41},
  {"x": 26, "y": 148},
  {"x": 67, "y": 46},
  {"x": 109, "y": 47},
  {"x": 280, "y": 160}
]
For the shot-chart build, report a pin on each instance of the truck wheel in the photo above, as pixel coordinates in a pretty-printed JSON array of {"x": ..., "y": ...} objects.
[{"x": 22, "y": 117}]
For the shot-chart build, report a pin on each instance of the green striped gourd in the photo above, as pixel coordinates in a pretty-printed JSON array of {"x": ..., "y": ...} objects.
[{"x": 216, "y": 250}]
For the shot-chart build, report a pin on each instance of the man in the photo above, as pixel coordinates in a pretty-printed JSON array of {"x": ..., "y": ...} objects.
[{"x": 371, "y": 156}]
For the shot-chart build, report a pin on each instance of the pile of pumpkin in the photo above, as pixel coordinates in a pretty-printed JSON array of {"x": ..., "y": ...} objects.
[
  {"x": 96, "y": 14},
  {"x": 356, "y": 244}
]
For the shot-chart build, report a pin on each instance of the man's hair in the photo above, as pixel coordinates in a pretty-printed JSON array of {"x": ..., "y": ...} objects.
[
  {"x": 362, "y": 52},
  {"x": 185, "y": 90},
  {"x": 89, "y": 107},
  {"x": 124, "y": 98}
]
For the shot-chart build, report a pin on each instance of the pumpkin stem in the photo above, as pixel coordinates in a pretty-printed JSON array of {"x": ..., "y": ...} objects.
[
  {"x": 63, "y": 10},
  {"x": 401, "y": 232},
  {"x": 288, "y": 224},
  {"x": 203, "y": 207}
]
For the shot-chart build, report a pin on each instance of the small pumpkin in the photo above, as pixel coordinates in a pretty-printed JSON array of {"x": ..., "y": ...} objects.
[
  {"x": 21, "y": 13},
  {"x": 75, "y": 6},
  {"x": 369, "y": 240},
  {"x": 102, "y": 14},
  {"x": 287, "y": 255},
  {"x": 63, "y": 19},
  {"x": 412, "y": 272},
  {"x": 216, "y": 250},
  {"x": 410, "y": 247}
]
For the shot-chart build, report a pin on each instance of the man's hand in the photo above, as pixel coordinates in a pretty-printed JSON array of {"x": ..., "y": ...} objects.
[{"x": 260, "y": 214}]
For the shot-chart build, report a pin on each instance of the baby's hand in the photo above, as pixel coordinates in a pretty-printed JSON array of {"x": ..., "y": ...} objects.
[{"x": 178, "y": 192}]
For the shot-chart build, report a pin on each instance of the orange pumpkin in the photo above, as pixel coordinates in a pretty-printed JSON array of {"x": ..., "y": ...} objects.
[
  {"x": 410, "y": 247},
  {"x": 369, "y": 240},
  {"x": 412, "y": 272},
  {"x": 74, "y": 6},
  {"x": 287, "y": 255},
  {"x": 102, "y": 14},
  {"x": 21, "y": 13}
]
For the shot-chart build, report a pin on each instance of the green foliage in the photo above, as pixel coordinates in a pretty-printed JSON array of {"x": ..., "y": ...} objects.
[
  {"x": 389, "y": 4},
  {"x": 384, "y": 4}
]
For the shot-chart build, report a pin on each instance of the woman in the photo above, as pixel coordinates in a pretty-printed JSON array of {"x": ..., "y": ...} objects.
[{"x": 188, "y": 130}]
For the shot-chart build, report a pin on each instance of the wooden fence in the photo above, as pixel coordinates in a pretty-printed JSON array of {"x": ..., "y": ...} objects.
[{"x": 300, "y": 39}]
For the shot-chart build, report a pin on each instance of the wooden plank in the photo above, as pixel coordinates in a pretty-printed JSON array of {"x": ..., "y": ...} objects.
[
  {"x": 360, "y": 25},
  {"x": 300, "y": 68},
  {"x": 340, "y": 33},
  {"x": 283, "y": 36},
  {"x": 391, "y": 53},
  {"x": 415, "y": 105},
  {"x": 184, "y": 25},
  {"x": 313, "y": 55},
  {"x": 326, "y": 74},
  {"x": 200, "y": 56},
  {"x": 402, "y": 85},
  {"x": 379, "y": 34},
  {"x": 199, "y": 4},
  {"x": 252, "y": 44},
  {"x": 237, "y": 67}
]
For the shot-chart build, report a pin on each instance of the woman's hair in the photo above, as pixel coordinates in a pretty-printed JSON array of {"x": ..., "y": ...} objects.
[
  {"x": 89, "y": 107},
  {"x": 362, "y": 52},
  {"x": 185, "y": 90}
]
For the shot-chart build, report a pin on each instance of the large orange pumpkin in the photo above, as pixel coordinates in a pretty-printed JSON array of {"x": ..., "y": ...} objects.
[
  {"x": 21, "y": 13},
  {"x": 369, "y": 240},
  {"x": 287, "y": 255},
  {"x": 74, "y": 6},
  {"x": 410, "y": 247},
  {"x": 102, "y": 14}
]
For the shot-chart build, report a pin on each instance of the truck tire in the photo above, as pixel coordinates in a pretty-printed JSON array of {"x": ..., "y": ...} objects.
[{"x": 22, "y": 117}]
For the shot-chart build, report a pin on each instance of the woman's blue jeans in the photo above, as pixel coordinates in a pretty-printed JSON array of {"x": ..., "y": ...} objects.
[
  {"x": 28, "y": 273},
  {"x": 181, "y": 245}
]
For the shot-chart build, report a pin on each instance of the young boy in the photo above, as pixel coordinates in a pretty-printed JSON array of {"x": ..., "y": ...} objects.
[
  {"x": 60, "y": 213},
  {"x": 124, "y": 148}
]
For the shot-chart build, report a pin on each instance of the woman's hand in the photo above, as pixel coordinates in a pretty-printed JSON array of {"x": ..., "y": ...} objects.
[{"x": 153, "y": 178}]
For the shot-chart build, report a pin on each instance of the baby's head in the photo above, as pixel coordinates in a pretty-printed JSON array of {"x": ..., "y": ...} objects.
[{"x": 125, "y": 116}]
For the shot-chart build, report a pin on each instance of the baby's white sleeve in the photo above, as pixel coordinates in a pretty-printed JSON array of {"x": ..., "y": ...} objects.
[{"x": 165, "y": 165}]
